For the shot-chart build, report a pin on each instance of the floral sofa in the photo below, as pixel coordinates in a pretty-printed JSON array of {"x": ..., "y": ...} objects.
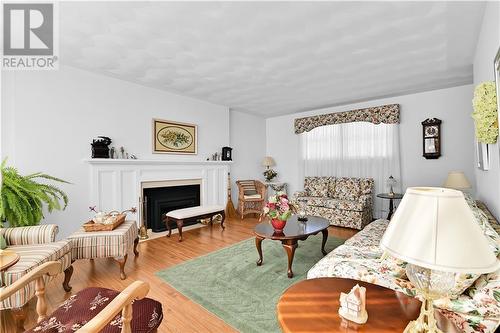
[
  {"x": 345, "y": 202},
  {"x": 475, "y": 304}
]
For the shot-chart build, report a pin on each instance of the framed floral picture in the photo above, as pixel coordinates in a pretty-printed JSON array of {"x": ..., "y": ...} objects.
[{"x": 174, "y": 138}]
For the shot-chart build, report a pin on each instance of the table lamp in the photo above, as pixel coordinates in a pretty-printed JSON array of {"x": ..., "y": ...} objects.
[
  {"x": 391, "y": 182},
  {"x": 434, "y": 231},
  {"x": 268, "y": 162},
  {"x": 457, "y": 181}
]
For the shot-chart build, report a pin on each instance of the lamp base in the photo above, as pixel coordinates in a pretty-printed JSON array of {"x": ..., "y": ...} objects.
[{"x": 426, "y": 322}]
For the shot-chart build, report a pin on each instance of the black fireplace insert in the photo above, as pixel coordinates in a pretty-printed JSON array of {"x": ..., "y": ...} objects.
[{"x": 161, "y": 200}]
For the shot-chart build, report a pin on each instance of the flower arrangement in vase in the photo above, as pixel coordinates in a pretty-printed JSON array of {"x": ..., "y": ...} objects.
[
  {"x": 270, "y": 174},
  {"x": 279, "y": 210}
]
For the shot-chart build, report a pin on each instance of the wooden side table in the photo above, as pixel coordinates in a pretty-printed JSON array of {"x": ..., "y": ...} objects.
[
  {"x": 8, "y": 258},
  {"x": 391, "y": 198},
  {"x": 312, "y": 306}
]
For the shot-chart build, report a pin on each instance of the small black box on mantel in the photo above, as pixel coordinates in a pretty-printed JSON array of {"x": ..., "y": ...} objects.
[
  {"x": 100, "y": 147},
  {"x": 227, "y": 153}
]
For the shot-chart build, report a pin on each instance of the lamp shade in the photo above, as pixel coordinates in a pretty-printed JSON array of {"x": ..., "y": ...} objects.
[
  {"x": 457, "y": 180},
  {"x": 435, "y": 228},
  {"x": 268, "y": 161}
]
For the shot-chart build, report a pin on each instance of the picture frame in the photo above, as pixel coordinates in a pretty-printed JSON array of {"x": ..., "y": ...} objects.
[{"x": 171, "y": 137}]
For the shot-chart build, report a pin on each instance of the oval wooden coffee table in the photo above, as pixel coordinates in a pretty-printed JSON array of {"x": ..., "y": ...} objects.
[
  {"x": 313, "y": 305},
  {"x": 293, "y": 232}
]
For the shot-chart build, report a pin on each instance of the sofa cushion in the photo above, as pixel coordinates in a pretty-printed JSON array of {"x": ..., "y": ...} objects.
[
  {"x": 317, "y": 186},
  {"x": 345, "y": 204},
  {"x": 331, "y": 187},
  {"x": 76, "y": 311},
  {"x": 314, "y": 201},
  {"x": 32, "y": 256},
  {"x": 366, "y": 185},
  {"x": 347, "y": 188},
  {"x": 370, "y": 235}
]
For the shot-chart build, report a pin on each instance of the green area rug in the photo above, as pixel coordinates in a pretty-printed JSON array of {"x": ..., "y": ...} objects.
[{"x": 229, "y": 284}]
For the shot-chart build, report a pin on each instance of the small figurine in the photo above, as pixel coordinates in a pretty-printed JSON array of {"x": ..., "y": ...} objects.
[
  {"x": 133, "y": 157},
  {"x": 112, "y": 152},
  {"x": 122, "y": 152},
  {"x": 353, "y": 305}
]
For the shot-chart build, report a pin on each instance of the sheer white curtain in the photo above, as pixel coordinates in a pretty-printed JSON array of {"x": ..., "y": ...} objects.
[{"x": 357, "y": 149}]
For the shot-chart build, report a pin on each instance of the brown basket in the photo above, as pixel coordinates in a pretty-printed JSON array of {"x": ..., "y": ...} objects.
[{"x": 92, "y": 226}]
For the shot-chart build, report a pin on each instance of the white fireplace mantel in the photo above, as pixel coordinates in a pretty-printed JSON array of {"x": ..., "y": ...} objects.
[{"x": 116, "y": 184}]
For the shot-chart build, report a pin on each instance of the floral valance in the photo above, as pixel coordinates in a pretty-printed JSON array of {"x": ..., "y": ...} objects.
[{"x": 387, "y": 114}]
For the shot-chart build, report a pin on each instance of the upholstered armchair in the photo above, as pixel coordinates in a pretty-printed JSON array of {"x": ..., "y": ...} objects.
[
  {"x": 35, "y": 246},
  {"x": 89, "y": 310},
  {"x": 251, "y": 197}
]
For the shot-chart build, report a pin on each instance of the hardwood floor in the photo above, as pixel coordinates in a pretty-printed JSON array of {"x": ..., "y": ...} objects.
[{"x": 180, "y": 313}]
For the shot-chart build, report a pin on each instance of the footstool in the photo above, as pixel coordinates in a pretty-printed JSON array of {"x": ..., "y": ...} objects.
[
  {"x": 193, "y": 213},
  {"x": 106, "y": 244}
]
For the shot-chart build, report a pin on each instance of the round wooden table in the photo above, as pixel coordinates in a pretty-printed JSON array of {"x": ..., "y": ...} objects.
[
  {"x": 313, "y": 305},
  {"x": 8, "y": 258},
  {"x": 294, "y": 231}
]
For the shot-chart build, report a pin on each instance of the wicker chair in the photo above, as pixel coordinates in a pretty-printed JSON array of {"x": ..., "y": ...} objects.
[{"x": 251, "y": 198}]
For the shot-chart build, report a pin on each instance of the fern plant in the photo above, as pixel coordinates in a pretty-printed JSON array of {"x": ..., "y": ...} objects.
[{"x": 22, "y": 198}]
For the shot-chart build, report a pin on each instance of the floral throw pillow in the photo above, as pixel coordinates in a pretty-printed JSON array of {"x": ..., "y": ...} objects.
[
  {"x": 316, "y": 186},
  {"x": 347, "y": 188}
]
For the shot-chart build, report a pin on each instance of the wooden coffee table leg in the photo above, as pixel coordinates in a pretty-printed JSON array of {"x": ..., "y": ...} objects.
[
  {"x": 122, "y": 262},
  {"x": 258, "y": 245},
  {"x": 180, "y": 224},
  {"x": 323, "y": 243},
  {"x": 290, "y": 245}
]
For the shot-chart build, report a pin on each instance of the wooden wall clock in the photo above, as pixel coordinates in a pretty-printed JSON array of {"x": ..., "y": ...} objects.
[{"x": 431, "y": 129}]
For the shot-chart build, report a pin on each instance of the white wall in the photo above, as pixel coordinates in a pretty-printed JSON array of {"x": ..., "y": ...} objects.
[
  {"x": 488, "y": 182},
  {"x": 452, "y": 106},
  {"x": 50, "y": 117},
  {"x": 248, "y": 140}
]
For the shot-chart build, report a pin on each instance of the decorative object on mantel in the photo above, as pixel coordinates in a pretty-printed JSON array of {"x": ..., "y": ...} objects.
[
  {"x": 269, "y": 174},
  {"x": 227, "y": 153},
  {"x": 431, "y": 129},
  {"x": 353, "y": 305},
  {"x": 100, "y": 147},
  {"x": 391, "y": 182},
  {"x": 387, "y": 114},
  {"x": 103, "y": 221},
  {"x": 279, "y": 210},
  {"x": 174, "y": 138}
]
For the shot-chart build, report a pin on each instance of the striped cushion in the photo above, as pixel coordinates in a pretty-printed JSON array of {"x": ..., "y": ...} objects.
[
  {"x": 32, "y": 256},
  {"x": 104, "y": 244},
  {"x": 39, "y": 234},
  {"x": 249, "y": 187}
]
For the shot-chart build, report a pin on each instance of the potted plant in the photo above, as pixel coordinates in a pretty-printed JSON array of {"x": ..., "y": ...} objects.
[
  {"x": 279, "y": 210},
  {"x": 270, "y": 174},
  {"x": 23, "y": 198}
]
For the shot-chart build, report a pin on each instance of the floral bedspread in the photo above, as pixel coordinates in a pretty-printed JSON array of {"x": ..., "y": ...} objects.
[{"x": 360, "y": 258}]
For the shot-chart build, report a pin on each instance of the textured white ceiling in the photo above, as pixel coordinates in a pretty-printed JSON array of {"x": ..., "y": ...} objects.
[{"x": 273, "y": 58}]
